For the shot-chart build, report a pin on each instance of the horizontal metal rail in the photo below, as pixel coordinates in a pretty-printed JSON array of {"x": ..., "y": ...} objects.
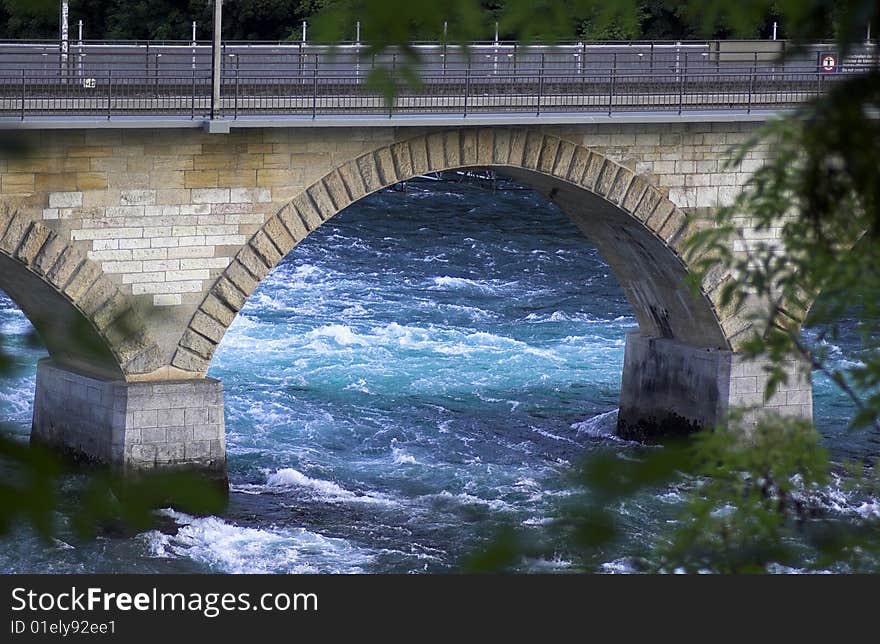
[{"x": 121, "y": 79}]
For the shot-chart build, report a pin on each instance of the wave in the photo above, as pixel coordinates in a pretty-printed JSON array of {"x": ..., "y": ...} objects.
[
  {"x": 463, "y": 498},
  {"x": 600, "y": 426},
  {"x": 340, "y": 333},
  {"x": 562, "y": 316},
  {"x": 17, "y": 399},
  {"x": 326, "y": 491},
  {"x": 447, "y": 283},
  {"x": 225, "y": 547},
  {"x": 842, "y": 499},
  {"x": 14, "y": 322},
  {"x": 550, "y": 435},
  {"x": 402, "y": 458},
  {"x": 437, "y": 339}
]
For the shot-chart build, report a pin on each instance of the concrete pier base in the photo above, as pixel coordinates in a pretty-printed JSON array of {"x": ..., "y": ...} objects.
[
  {"x": 670, "y": 388},
  {"x": 131, "y": 425}
]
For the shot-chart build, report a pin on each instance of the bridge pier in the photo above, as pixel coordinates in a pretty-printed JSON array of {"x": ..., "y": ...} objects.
[
  {"x": 670, "y": 388},
  {"x": 130, "y": 425}
]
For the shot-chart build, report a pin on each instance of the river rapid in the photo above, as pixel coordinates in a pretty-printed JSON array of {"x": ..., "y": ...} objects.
[{"x": 426, "y": 367}]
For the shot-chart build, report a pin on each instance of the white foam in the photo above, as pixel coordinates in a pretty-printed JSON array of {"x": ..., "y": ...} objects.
[
  {"x": 463, "y": 498},
  {"x": 226, "y": 547},
  {"x": 326, "y": 491},
  {"x": 562, "y": 316},
  {"x": 622, "y": 566},
  {"x": 546, "y": 434},
  {"x": 402, "y": 458},
  {"x": 448, "y": 283},
  {"x": 340, "y": 333},
  {"x": 600, "y": 426},
  {"x": 840, "y": 498}
]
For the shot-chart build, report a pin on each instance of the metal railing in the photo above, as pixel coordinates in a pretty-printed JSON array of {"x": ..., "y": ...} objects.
[{"x": 124, "y": 79}]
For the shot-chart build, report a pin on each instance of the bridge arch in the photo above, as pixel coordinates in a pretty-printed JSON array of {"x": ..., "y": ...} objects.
[
  {"x": 84, "y": 319},
  {"x": 639, "y": 231}
]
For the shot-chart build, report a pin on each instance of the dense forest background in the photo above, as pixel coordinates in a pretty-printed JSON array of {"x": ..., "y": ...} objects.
[{"x": 281, "y": 20}]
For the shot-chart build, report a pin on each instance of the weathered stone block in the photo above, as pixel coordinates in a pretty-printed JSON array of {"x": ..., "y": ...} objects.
[
  {"x": 101, "y": 420},
  {"x": 366, "y": 165},
  {"x": 671, "y": 388},
  {"x": 266, "y": 250},
  {"x": 468, "y": 147},
  {"x": 217, "y": 308},
  {"x": 418, "y": 153},
  {"x": 547, "y": 155},
  {"x": 208, "y": 327},
  {"x": 33, "y": 241},
  {"x": 517, "y": 147},
  {"x": 198, "y": 344},
  {"x": 307, "y": 211},
  {"x": 385, "y": 165},
  {"x": 210, "y": 195},
  {"x": 578, "y": 166},
  {"x": 65, "y": 199},
  {"x": 241, "y": 277},
  {"x": 563, "y": 160},
  {"x": 595, "y": 164},
  {"x": 16, "y": 228},
  {"x": 335, "y": 186},
  {"x": 436, "y": 151},
  {"x": 254, "y": 262},
  {"x": 321, "y": 200},
  {"x": 606, "y": 178},
  {"x": 501, "y": 147},
  {"x": 82, "y": 280}
]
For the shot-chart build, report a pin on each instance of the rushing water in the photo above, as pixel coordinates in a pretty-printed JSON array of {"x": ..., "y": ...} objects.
[{"x": 422, "y": 369}]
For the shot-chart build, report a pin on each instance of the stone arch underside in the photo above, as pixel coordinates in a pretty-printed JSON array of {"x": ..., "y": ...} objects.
[
  {"x": 85, "y": 321},
  {"x": 639, "y": 231}
]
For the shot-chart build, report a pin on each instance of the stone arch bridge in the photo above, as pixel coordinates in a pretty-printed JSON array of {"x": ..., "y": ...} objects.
[{"x": 132, "y": 250}]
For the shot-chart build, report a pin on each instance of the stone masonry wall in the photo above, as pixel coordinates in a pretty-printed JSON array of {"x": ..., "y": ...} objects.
[
  {"x": 163, "y": 212},
  {"x": 672, "y": 388},
  {"x": 131, "y": 425}
]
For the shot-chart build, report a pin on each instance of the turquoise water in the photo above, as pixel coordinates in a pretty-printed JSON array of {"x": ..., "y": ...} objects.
[{"x": 425, "y": 367}]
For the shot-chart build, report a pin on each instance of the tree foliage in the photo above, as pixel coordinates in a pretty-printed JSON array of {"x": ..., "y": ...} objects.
[{"x": 393, "y": 21}]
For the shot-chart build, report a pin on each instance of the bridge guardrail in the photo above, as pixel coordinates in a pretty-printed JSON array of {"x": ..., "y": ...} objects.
[{"x": 504, "y": 80}]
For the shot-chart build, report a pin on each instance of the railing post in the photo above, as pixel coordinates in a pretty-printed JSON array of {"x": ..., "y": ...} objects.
[
  {"x": 23, "y": 94},
  {"x": 109, "y": 93},
  {"x": 237, "y": 82},
  {"x": 467, "y": 86},
  {"x": 613, "y": 81},
  {"x": 681, "y": 76},
  {"x": 315, "y": 89},
  {"x": 216, "y": 59},
  {"x": 393, "y": 84},
  {"x": 752, "y": 83},
  {"x": 540, "y": 85},
  {"x": 192, "y": 110},
  {"x": 156, "y": 73}
]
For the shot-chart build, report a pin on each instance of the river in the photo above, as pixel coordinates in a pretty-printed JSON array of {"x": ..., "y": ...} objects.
[{"x": 424, "y": 368}]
